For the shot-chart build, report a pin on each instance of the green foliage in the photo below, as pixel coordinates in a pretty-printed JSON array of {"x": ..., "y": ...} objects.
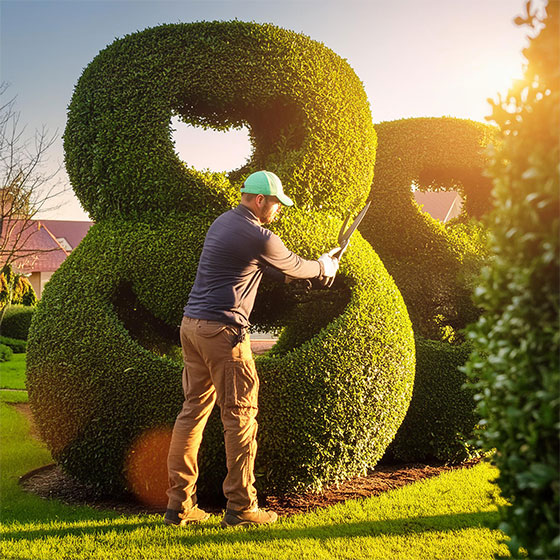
[
  {"x": 441, "y": 415},
  {"x": 515, "y": 366},
  {"x": 15, "y": 288},
  {"x": 425, "y": 257},
  {"x": 433, "y": 265},
  {"x": 298, "y": 99},
  {"x": 6, "y": 353},
  {"x": 18, "y": 346},
  {"x": 17, "y": 320},
  {"x": 103, "y": 362}
]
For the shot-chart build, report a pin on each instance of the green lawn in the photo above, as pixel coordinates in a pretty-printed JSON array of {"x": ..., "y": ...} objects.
[
  {"x": 448, "y": 517},
  {"x": 12, "y": 373}
]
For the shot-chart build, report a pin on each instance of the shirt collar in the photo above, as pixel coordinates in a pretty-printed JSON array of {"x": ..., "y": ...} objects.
[{"x": 247, "y": 213}]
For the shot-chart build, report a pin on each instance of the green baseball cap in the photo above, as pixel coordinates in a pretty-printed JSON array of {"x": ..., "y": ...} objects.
[{"x": 268, "y": 184}]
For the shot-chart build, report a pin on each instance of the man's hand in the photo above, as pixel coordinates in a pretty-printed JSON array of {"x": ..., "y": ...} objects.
[{"x": 330, "y": 266}]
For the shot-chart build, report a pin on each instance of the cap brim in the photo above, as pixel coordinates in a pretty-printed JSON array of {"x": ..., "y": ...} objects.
[{"x": 285, "y": 200}]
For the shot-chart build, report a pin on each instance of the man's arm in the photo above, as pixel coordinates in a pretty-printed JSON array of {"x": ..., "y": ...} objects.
[{"x": 277, "y": 255}]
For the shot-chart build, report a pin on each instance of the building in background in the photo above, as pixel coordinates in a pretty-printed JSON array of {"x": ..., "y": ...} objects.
[{"x": 43, "y": 245}]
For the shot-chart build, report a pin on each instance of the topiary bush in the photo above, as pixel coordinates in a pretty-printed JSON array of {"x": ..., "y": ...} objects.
[
  {"x": 515, "y": 367},
  {"x": 433, "y": 265},
  {"x": 17, "y": 320},
  {"x": 17, "y": 346},
  {"x": 104, "y": 368}
]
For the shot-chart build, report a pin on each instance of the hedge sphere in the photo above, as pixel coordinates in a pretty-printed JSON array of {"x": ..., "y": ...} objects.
[{"x": 104, "y": 368}]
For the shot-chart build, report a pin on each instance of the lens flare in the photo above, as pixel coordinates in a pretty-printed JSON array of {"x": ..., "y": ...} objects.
[{"x": 146, "y": 466}]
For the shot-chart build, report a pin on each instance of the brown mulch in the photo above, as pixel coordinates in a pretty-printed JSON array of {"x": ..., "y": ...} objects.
[{"x": 51, "y": 482}]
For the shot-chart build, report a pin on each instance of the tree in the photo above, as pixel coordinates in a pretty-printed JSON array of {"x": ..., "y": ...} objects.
[{"x": 25, "y": 189}]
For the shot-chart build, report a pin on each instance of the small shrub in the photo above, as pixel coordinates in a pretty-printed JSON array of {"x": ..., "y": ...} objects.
[
  {"x": 17, "y": 346},
  {"x": 6, "y": 353},
  {"x": 17, "y": 321}
]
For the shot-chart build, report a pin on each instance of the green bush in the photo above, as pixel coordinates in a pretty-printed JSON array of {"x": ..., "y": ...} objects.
[
  {"x": 441, "y": 416},
  {"x": 103, "y": 362},
  {"x": 515, "y": 367},
  {"x": 6, "y": 353},
  {"x": 433, "y": 265},
  {"x": 17, "y": 320},
  {"x": 17, "y": 346},
  {"x": 426, "y": 257}
]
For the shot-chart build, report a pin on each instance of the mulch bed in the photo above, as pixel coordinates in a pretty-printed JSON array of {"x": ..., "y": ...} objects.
[{"x": 52, "y": 483}]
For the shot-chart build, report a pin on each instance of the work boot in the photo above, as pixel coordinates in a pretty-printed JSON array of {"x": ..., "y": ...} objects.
[
  {"x": 193, "y": 515},
  {"x": 258, "y": 516}
]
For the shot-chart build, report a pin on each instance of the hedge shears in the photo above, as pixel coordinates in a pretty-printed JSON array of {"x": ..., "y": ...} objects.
[{"x": 345, "y": 234}]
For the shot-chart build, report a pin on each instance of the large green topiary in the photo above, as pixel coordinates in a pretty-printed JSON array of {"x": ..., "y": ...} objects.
[
  {"x": 515, "y": 368},
  {"x": 103, "y": 362},
  {"x": 433, "y": 265}
]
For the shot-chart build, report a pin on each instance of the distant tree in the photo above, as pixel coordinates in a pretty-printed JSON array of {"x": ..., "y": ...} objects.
[{"x": 25, "y": 186}]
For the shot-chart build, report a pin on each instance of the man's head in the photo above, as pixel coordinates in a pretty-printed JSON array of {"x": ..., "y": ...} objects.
[{"x": 262, "y": 192}]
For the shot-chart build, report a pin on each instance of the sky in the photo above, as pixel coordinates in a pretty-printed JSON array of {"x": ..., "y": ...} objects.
[{"x": 415, "y": 58}]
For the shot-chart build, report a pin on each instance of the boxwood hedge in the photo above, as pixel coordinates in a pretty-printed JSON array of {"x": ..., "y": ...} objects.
[
  {"x": 515, "y": 367},
  {"x": 103, "y": 362},
  {"x": 433, "y": 265},
  {"x": 17, "y": 321}
]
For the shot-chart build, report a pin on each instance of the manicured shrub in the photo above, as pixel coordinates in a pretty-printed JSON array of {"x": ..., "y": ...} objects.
[
  {"x": 17, "y": 320},
  {"x": 426, "y": 257},
  {"x": 441, "y": 417},
  {"x": 103, "y": 362},
  {"x": 433, "y": 265},
  {"x": 6, "y": 353},
  {"x": 17, "y": 346},
  {"x": 515, "y": 367}
]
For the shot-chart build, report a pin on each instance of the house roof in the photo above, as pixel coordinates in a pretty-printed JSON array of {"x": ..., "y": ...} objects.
[
  {"x": 73, "y": 232},
  {"x": 442, "y": 205},
  {"x": 39, "y": 250}
]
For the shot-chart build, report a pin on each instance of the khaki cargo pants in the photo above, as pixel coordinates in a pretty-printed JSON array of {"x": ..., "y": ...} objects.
[{"x": 216, "y": 369}]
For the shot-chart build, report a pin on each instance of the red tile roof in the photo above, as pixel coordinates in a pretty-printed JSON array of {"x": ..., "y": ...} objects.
[
  {"x": 442, "y": 205},
  {"x": 73, "y": 232},
  {"x": 38, "y": 249}
]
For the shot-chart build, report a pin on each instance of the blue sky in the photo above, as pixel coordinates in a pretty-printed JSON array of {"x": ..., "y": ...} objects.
[{"x": 414, "y": 57}]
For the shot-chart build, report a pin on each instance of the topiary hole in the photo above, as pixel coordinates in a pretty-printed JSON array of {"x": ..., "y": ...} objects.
[
  {"x": 149, "y": 331},
  {"x": 216, "y": 150}
]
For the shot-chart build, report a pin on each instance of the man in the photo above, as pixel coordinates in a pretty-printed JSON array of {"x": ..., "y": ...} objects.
[{"x": 217, "y": 354}]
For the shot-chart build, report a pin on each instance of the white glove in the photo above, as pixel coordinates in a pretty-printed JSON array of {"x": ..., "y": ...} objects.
[{"x": 330, "y": 264}]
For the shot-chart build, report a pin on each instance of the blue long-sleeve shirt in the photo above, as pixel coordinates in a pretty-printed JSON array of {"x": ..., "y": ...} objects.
[{"x": 237, "y": 252}]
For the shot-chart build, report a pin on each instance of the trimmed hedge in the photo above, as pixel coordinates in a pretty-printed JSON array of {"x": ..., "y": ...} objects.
[
  {"x": 433, "y": 266},
  {"x": 17, "y": 320},
  {"x": 441, "y": 417},
  {"x": 6, "y": 353},
  {"x": 425, "y": 257},
  {"x": 103, "y": 362},
  {"x": 515, "y": 367},
  {"x": 18, "y": 346}
]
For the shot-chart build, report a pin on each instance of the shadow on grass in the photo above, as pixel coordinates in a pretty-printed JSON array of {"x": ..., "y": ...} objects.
[{"x": 206, "y": 533}]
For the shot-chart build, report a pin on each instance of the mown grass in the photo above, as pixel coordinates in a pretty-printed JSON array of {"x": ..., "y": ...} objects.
[
  {"x": 12, "y": 373},
  {"x": 448, "y": 517}
]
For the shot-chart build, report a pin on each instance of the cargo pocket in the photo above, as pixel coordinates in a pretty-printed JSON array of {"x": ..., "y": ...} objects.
[{"x": 241, "y": 384}]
